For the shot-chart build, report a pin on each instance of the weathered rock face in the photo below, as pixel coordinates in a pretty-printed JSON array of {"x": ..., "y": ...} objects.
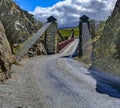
[
  {"x": 109, "y": 44},
  {"x": 110, "y": 40},
  {"x": 5, "y": 55},
  {"x": 37, "y": 49},
  {"x": 18, "y": 24}
]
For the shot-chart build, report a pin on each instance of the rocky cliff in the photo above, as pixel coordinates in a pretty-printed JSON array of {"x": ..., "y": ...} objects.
[
  {"x": 5, "y": 55},
  {"x": 18, "y": 24},
  {"x": 109, "y": 43},
  {"x": 111, "y": 34}
]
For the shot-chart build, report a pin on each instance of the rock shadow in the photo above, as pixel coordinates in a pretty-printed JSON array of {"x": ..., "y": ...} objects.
[{"x": 106, "y": 83}]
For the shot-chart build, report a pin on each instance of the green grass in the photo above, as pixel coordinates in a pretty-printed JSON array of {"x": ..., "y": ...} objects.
[
  {"x": 17, "y": 48},
  {"x": 66, "y": 32}
]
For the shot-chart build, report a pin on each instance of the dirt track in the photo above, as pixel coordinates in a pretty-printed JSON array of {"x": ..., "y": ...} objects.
[
  {"x": 57, "y": 82},
  {"x": 50, "y": 82}
]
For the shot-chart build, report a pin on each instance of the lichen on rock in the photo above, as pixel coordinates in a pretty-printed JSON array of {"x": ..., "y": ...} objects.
[
  {"x": 108, "y": 46},
  {"x": 5, "y": 55},
  {"x": 18, "y": 24},
  {"x": 110, "y": 40}
]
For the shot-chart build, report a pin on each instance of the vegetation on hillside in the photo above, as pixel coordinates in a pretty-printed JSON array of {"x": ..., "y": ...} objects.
[
  {"x": 19, "y": 24},
  {"x": 108, "y": 44},
  {"x": 66, "y": 31}
]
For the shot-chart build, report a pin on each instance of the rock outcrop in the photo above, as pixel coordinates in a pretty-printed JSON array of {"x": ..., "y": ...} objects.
[
  {"x": 110, "y": 39},
  {"x": 5, "y": 55},
  {"x": 109, "y": 44},
  {"x": 37, "y": 49},
  {"x": 18, "y": 24}
]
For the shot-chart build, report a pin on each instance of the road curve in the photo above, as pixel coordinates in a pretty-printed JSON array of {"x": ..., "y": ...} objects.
[
  {"x": 53, "y": 82},
  {"x": 66, "y": 83}
]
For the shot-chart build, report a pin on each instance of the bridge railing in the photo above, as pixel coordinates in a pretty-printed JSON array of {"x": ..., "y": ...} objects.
[
  {"x": 71, "y": 34},
  {"x": 63, "y": 44},
  {"x": 51, "y": 46}
]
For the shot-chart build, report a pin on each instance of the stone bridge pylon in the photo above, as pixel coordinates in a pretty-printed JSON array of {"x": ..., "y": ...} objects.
[
  {"x": 51, "y": 38},
  {"x": 51, "y": 35},
  {"x": 85, "y": 39}
]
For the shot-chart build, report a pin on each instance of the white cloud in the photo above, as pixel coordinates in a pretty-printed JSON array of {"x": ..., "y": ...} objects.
[{"x": 68, "y": 12}]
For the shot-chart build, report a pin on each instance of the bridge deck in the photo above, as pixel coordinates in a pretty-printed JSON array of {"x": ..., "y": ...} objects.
[{"x": 70, "y": 49}]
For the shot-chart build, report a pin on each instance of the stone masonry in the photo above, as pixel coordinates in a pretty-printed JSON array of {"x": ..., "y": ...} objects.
[{"x": 51, "y": 39}]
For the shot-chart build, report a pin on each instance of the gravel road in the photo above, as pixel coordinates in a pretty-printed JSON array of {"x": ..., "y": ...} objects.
[
  {"x": 53, "y": 82},
  {"x": 58, "y": 82}
]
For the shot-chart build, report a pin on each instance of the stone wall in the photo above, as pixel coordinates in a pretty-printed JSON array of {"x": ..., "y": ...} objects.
[
  {"x": 86, "y": 43},
  {"x": 51, "y": 39}
]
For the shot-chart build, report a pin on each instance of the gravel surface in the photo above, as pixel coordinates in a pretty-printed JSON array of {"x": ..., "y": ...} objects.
[{"x": 53, "y": 82}]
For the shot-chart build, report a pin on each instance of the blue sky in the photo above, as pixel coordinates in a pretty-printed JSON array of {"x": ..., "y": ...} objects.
[
  {"x": 68, "y": 12},
  {"x": 30, "y": 5}
]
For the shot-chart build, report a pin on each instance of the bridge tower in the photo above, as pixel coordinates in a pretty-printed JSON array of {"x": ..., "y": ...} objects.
[
  {"x": 51, "y": 36},
  {"x": 85, "y": 39}
]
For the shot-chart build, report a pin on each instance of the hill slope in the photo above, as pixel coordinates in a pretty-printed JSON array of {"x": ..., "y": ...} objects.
[
  {"x": 109, "y": 42},
  {"x": 18, "y": 24}
]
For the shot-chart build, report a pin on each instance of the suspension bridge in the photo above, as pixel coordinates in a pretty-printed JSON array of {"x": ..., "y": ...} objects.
[
  {"x": 59, "y": 82},
  {"x": 68, "y": 47}
]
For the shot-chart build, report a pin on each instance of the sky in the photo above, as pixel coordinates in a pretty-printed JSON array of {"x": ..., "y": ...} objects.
[
  {"x": 30, "y": 5},
  {"x": 68, "y": 12}
]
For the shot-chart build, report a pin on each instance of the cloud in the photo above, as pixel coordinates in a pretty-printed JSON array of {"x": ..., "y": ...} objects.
[{"x": 68, "y": 12}]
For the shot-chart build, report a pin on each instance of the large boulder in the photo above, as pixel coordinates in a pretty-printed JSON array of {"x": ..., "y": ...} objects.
[
  {"x": 5, "y": 55},
  {"x": 18, "y": 24},
  {"x": 110, "y": 40},
  {"x": 108, "y": 44},
  {"x": 37, "y": 49}
]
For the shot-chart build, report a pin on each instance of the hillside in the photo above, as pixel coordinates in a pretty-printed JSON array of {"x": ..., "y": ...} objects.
[
  {"x": 108, "y": 47},
  {"x": 16, "y": 26},
  {"x": 66, "y": 31},
  {"x": 5, "y": 55}
]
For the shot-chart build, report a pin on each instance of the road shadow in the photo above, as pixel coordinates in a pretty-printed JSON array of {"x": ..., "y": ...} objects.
[
  {"x": 75, "y": 54},
  {"x": 106, "y": 83}
]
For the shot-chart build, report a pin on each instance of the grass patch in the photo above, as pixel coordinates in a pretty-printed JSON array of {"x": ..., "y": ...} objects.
[
  {"x": 66, "y": 32},
  {"x": 15, "y": 49},
  {"x": 20, "y": 45}
]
